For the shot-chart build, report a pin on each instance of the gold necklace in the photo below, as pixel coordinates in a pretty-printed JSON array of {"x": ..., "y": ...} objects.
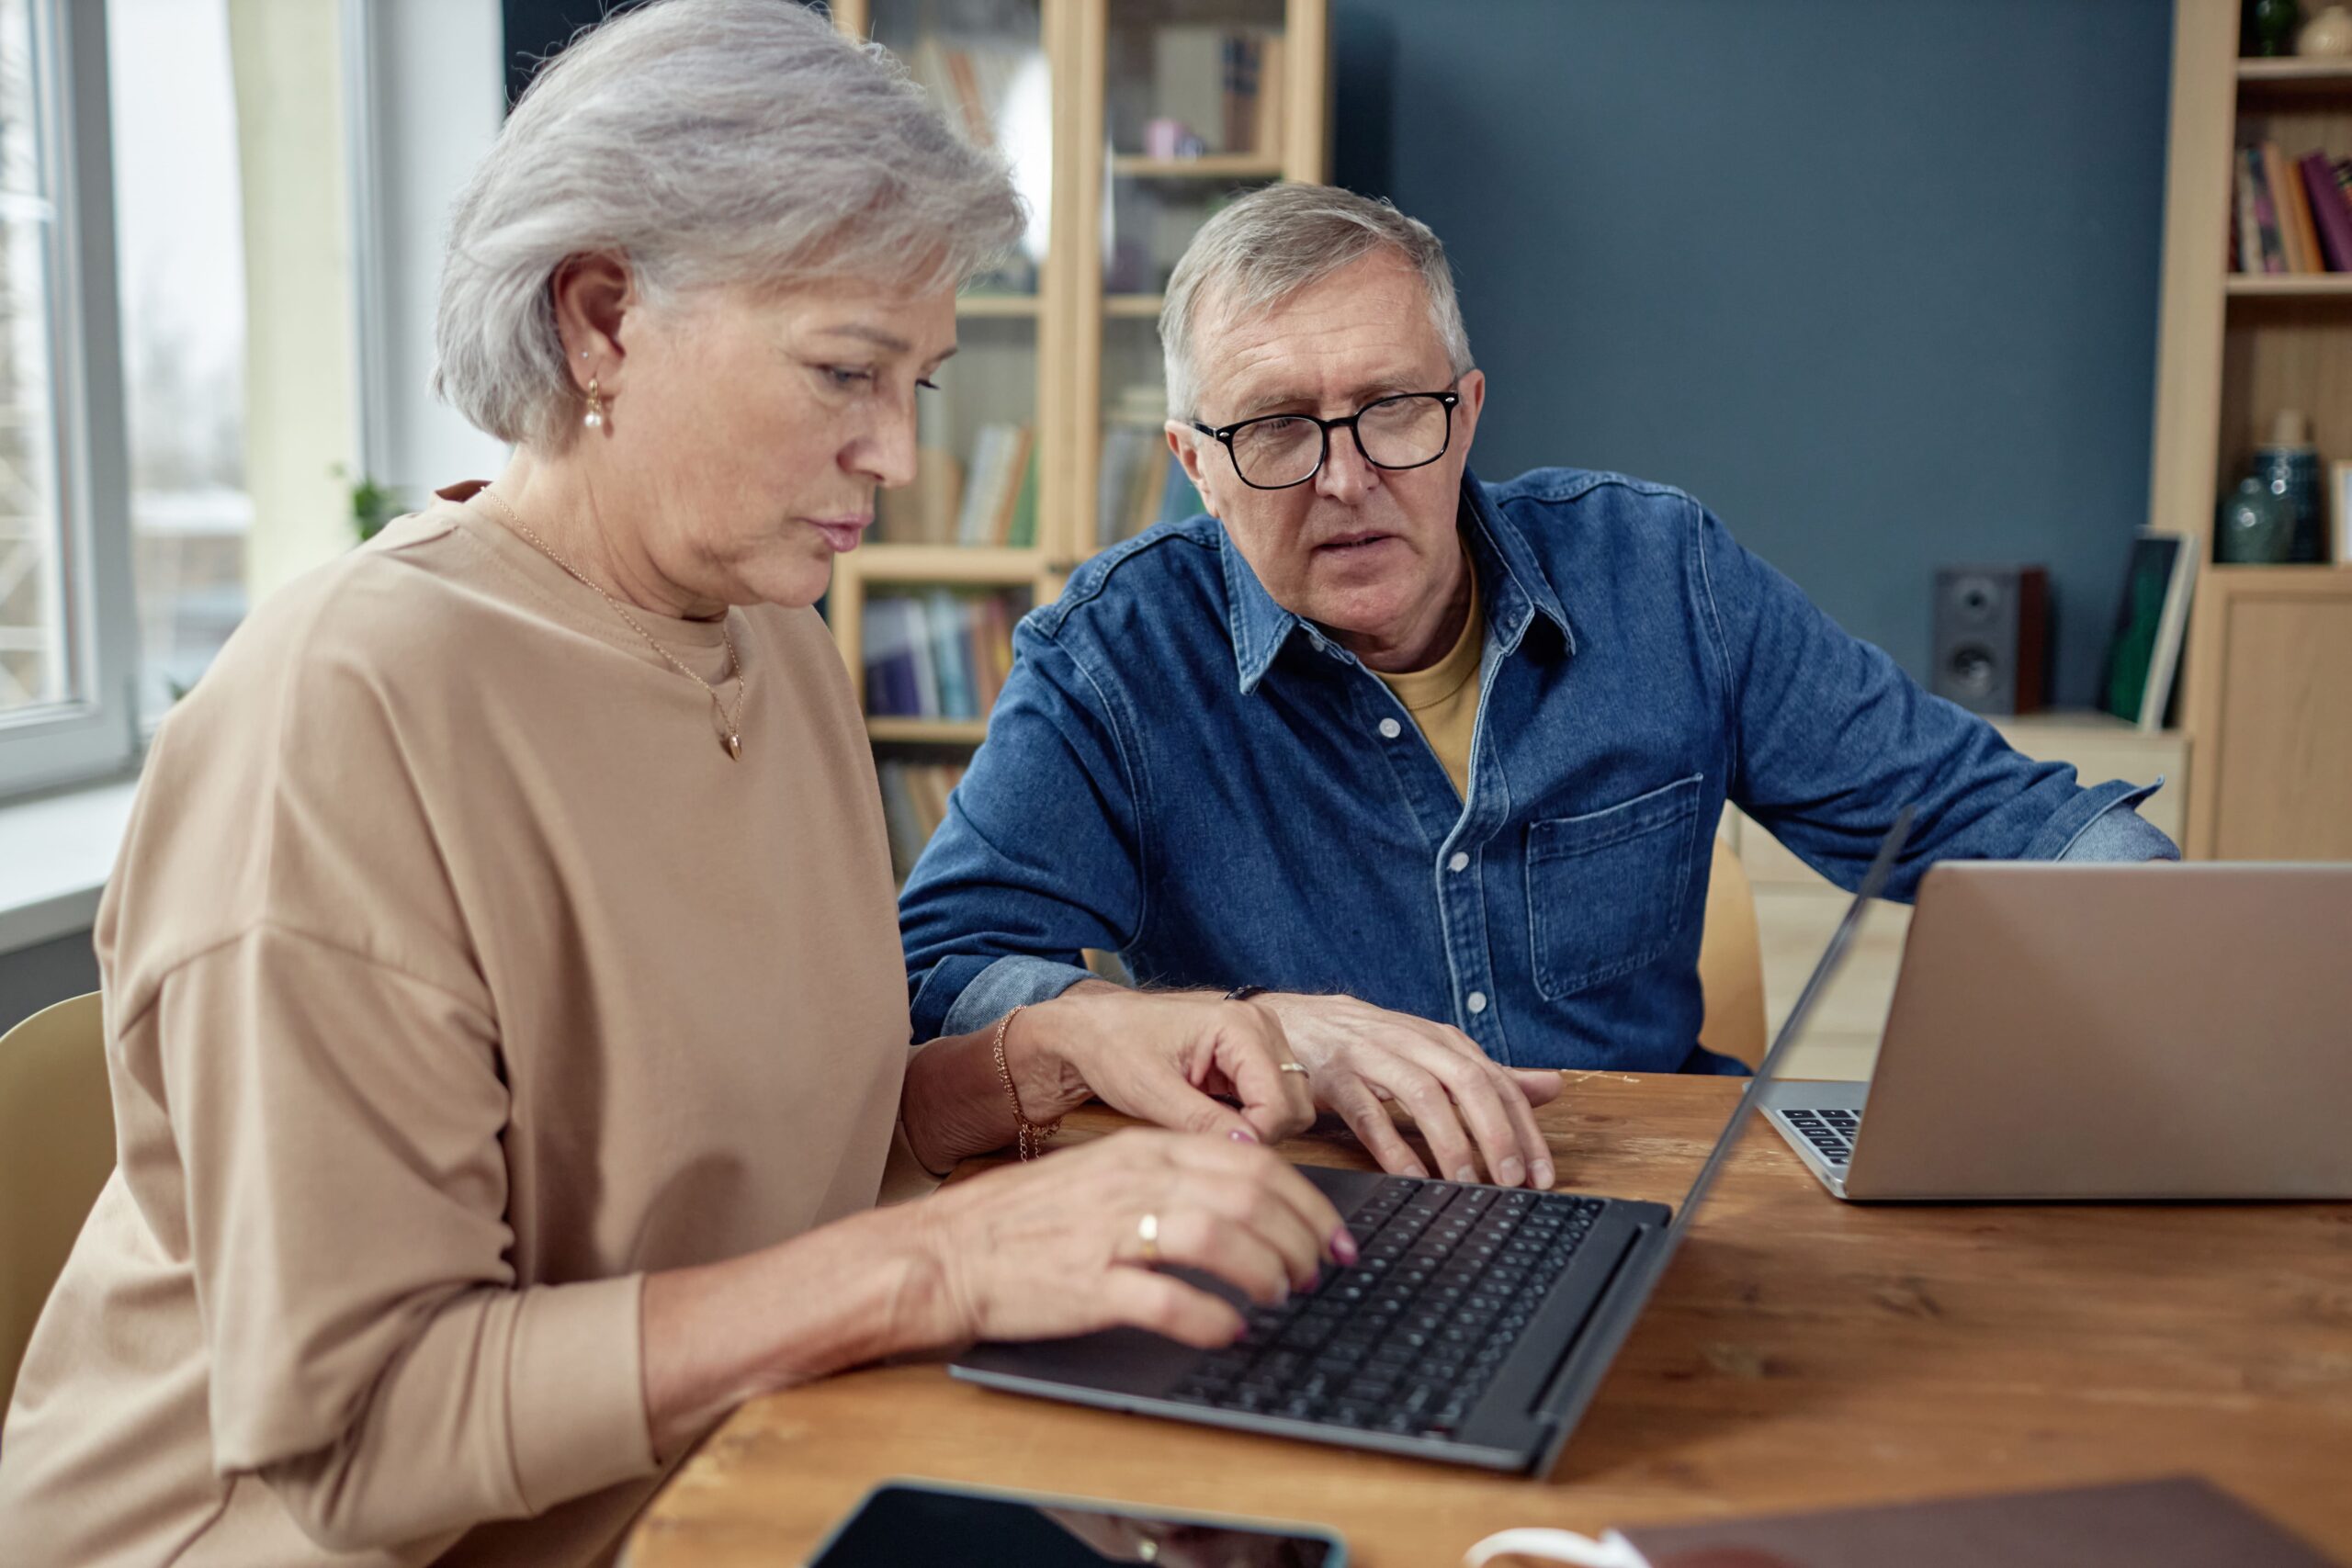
[{"x": 732, "y": 722}]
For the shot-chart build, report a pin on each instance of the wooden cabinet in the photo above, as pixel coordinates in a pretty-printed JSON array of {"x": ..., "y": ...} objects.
[
  {"x": 2273, "y": 715},
  {"x": 2267, "y": 671},
  {"x": 1059, "y": 351}
]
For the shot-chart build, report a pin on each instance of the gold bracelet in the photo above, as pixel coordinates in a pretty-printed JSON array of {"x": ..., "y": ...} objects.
[{"x": 1033, "y": 1136}]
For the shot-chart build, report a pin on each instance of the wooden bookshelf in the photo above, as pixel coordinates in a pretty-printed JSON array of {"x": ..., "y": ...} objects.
[
  {"x": 950, "y": 563},
  {"x": 997, "y": 305},
  {"x": 2292, "y": 71},
  {"x": 2291, "y": 286},
  {"x": 1208, "y": 166},
  {"x": 888, "y": 731},
  {"x": 2267, "y": 699},
  {"x": 1040, "y": 353}
]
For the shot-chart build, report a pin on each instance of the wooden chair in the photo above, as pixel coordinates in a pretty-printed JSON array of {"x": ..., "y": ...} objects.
[
  {"x": 56, "y": 1151},
  {"x": 1731, "y": 963}
]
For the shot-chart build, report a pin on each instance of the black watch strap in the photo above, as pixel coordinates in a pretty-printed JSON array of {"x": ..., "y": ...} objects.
[{"x": 1243, "y": 993}]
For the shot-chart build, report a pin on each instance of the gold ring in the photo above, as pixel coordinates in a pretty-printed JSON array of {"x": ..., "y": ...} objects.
[
  {"x": 1147, "y": 1233},
  {"x": 1292, "y": 1067}
]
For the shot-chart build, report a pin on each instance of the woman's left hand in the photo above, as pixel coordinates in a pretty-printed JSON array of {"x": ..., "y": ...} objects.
[{"x": 1172, "y": 1058}]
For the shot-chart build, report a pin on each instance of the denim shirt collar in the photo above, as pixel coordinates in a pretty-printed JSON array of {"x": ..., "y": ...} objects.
[{"x": 1515, "y": 588}]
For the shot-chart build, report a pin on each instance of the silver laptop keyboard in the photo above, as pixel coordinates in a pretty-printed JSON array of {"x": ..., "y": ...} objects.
[{"x": 1831, "y": 1132}]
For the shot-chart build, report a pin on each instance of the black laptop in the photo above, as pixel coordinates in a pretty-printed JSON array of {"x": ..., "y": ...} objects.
[{"x": 1475, "y": 1327}]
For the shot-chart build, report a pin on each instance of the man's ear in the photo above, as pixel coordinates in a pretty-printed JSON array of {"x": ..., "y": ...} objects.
[
  {"x": 1473, "y": 389},
  {"x": 1193, "y": 449}
]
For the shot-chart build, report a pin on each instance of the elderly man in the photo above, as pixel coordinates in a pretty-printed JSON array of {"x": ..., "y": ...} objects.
[{"x": 1426, "y": 767}]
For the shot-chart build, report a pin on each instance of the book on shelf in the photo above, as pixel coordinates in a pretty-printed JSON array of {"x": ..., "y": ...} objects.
[
  {"x": 1127, "y": 490},
  {"x": 889, "y": 652},
  {"x": 972, "y": 79},
  {"x": 1020, "y": 528},
  {"x": 2331, "y": 211},
  {"x": 2249, "y": 219},
  {"x": 935, "y": 654},
  {"x": 914, "y": 803},
  {"x": 2292, "y": 216},
  {"x": 1001, "y": 457},
  {"x": 2268, "y": 254},
  {"x": 2294, "y": 212},
  {"x": 949, "y": 626},
  {"x": 997, "y": 504}
]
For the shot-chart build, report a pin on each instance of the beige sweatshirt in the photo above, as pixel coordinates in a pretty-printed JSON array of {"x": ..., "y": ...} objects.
[{"x": 454, "y": 978}]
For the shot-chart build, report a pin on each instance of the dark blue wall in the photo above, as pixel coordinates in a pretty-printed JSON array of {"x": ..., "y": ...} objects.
[{"x": 1877, "y": 282}]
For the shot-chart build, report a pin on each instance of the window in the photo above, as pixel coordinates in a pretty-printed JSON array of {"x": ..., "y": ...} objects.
[
  {"x": 66, "y": 640},
  {"x": 36, "y": 656},
  {"x": 180, "y": 266}
]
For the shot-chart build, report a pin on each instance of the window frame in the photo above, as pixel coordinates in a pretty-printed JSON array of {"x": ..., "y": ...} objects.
[{"x": 94, "y": 732}]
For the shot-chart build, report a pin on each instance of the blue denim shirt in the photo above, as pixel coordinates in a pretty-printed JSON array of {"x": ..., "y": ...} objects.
[{"x": 1184, "y": 772}]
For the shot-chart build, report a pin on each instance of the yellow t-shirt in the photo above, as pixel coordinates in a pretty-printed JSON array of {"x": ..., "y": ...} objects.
[{"x": 1443, "y": 698}]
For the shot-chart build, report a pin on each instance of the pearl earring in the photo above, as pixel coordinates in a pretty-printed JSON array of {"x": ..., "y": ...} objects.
[{"x": 596, "y": 416}]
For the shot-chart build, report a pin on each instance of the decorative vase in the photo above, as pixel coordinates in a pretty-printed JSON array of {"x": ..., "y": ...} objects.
[
  {"x": 2255, "y": 529},
  {"x": 2287, "y": 467},
  {"x": 2274, "y": 26},
  {"x": 2327, "y": 36}
]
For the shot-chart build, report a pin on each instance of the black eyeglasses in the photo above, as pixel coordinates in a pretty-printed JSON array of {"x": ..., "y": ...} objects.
[{"x": 1276, "y": 451}]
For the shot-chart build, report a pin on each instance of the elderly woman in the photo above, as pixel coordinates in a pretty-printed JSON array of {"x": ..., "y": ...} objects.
[{"x": 504, "y": 997}]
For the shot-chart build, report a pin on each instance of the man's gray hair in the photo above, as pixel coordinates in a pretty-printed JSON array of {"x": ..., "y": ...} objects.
[
  {"x": 1277, "y": 241},
  {"x": 706, "y": 143}
]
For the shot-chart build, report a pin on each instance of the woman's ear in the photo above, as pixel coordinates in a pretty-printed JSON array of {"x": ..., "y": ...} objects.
[{"x": 593, "y": 295}]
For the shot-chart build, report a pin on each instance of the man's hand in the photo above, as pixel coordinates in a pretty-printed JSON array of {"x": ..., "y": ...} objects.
[
  {"x": 1360, "y": 1058},
  {"x": 1174, "y": 1059}
]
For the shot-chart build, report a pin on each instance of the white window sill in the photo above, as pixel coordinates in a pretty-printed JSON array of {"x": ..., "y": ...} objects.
[{"x": 56, "y": 853}]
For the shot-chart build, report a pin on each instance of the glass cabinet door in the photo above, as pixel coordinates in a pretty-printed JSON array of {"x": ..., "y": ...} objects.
[
  {"x": 986, "y": 64},
  {"x": 1194, "y": 114}
]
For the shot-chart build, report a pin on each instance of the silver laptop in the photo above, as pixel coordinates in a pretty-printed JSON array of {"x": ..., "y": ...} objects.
[
  {"x": 2094, "y": 1031},
  {"x": 1474, "y": 1328}
]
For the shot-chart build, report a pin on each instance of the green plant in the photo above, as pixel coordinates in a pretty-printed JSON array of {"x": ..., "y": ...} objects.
[{"x": 372, "y": 504}]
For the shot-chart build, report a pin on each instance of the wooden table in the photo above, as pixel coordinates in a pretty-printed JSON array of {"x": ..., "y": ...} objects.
[{"x": 1800, "y": 1353}]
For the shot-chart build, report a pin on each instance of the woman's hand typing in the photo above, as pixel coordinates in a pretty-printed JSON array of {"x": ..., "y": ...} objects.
[{"x": 1068, "y": 1243}]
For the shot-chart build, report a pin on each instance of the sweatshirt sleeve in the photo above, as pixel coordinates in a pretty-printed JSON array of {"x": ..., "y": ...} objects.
[{"x": 371, "y": 1359}]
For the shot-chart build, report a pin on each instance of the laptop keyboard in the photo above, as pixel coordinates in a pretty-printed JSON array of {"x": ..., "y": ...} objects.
[
  {"x": 1831, "y": 1132},
  {"x": 1405, "y": 1340}
]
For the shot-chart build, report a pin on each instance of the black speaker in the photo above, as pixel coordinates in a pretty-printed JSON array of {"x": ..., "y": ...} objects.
[{"x": 1992, "y": 637}]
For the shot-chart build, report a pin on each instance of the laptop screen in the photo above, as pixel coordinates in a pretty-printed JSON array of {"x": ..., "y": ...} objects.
[
  {"x": 1600, "y": 1343},
  {"x": 1873, "y": 883}
]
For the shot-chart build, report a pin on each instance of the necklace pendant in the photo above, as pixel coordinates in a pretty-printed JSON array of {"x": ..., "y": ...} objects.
[{"x": 734, "y": 746}]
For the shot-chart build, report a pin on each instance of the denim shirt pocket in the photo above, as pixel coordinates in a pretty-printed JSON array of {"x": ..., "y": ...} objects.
[{"x": 1605, "y": 890}]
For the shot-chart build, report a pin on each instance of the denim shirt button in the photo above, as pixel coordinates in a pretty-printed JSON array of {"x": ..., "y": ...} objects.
[
  {"x": 1459, "y": 863},
  {"x": 1476, "y": 1001},
  {"x": 1390, "y": 729}
]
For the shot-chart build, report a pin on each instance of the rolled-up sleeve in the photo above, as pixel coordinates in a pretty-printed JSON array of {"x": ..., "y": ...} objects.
[
  {"x": 371, "y": 1358},
  {"x": 1830, "y": 738}
]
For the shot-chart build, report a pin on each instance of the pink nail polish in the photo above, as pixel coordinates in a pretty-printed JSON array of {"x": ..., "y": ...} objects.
[
  {"x": 1242, "y": 1135},
  {"x": 1343, "y": 1246}
]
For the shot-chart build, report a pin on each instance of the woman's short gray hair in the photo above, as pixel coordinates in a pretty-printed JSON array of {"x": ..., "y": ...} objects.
[
  {"x": 707, "y": 143},
  {"x": 1277, "y": 241}
]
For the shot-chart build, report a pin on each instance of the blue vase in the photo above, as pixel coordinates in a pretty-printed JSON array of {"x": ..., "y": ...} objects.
[
  {"x": 2254, "y": 526},
  {"x": 2291, "y": 474}
]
